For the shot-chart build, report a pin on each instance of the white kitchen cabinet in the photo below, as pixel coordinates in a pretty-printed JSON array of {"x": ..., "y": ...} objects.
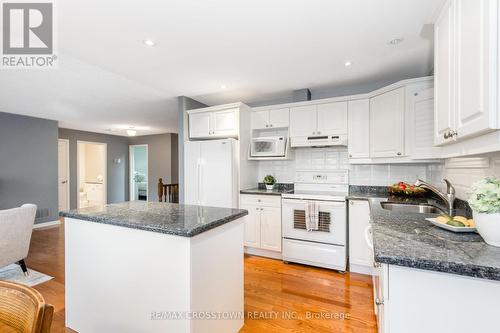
[
  {"x": 332, "y": 118},
  {"x": 252, "y": 225},
  {"x": 359, "y": 128},
  {"x": 360, "y": 255},
  {"x": 321, "y": 119},
  {"x": 387, "y": 124},
  {"x": 303, "y": 121},
  {"x": 403, "y": 294},
  {"x": 466, "y": 61},
  {"x": 263, "y": 223},
  {"x": 214, "y": 124},
  {"x": 266, "y": 119}
]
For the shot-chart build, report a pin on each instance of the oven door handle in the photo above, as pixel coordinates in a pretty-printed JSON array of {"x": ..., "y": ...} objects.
[{"x": 320, "y": 202}]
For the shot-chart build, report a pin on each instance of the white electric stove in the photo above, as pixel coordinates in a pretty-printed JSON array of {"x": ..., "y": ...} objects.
[{"x": 325, "y": 247}]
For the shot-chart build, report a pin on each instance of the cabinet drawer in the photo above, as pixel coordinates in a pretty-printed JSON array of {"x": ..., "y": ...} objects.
[{"x": 261, "y": 200}]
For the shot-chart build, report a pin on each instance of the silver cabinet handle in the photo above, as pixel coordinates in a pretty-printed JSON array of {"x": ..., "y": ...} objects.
[
  {"x": 319, "y": 132},
  {"x": 351, "y": 203},
  {"x": 376, "y": 264},
  {"x": 267, "y": 125},
  {"x": 379, "y": 301},
  {"x": 314, "y": 133},
  {"x": 256, "y": 208},
  {"x": 258, "y": 200},
  {"x": 350, "y": 155},
  {"x": 262, "y": 209},
  {"x": 271, "y": 125},
  {"x": 399, "y": 153}
]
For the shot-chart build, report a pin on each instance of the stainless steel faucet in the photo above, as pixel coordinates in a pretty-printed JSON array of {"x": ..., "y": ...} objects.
[{"x": 448, "y": 197}]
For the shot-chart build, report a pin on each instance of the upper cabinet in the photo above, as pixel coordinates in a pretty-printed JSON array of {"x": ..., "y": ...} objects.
[
  {"x": 316, "y": 120},
  {"x": 266, "y": 119},
  {"x": 359, "y": 128},
  {"x": 466, "y": 41},
  {"x": 223, "y": 121},
  {"x": 387, "y": 126}
]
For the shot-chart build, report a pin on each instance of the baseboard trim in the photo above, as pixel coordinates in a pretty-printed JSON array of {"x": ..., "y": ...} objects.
[
  {"x": 46, "y": 224},
  {"x": 263, "y": 253},
  {"x": 361, "y": 269}
]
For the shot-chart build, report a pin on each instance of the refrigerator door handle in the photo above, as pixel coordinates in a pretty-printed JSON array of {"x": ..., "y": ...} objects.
[
  {"x": 200, "y": 184},
  {"x": 198, "y": 166}
]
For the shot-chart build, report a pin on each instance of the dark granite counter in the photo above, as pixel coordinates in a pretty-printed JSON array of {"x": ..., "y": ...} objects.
[
  {"x": 278, "y": 189},
  {"x": 407, "y": 239},
  {"x": 166, "y": 218}
]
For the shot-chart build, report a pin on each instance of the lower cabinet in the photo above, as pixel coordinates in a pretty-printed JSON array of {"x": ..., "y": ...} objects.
[
  {"x": 263, "y": 222},
  {"x": 443, "y": 302},
  {"x": 360, "y": 255}
]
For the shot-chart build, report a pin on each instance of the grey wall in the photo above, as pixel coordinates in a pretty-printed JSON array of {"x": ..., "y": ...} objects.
[
  {"x": 175, "y": 158},
  {"x": 183, "y": 104},
  {"x": 28, "y": 164},
  {"x": 117, "y": 177},
  {"x": 159, "y": 160}
]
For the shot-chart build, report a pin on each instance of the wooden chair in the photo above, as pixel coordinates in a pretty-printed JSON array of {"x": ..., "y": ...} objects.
[
  {"x": 23, "y": 310},
  {"x": 168, "y": 192}
]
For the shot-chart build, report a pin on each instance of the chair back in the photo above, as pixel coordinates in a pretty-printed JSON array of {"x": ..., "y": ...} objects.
[
  {"x": 168, "y": 192},
  {"x": 16, "y": 226},
  {"x": 23, "y": 309}
]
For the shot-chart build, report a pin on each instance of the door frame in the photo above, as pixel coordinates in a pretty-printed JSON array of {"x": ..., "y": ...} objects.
[
  {"x": 131, "y": 161},
  {"x": 104, "y": 183},
  {"x": 68, "y": 184}
]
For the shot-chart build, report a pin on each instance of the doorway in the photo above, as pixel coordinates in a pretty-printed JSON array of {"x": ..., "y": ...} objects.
[
  {"x": 138, "y": 157},
  {"x": 92, "y": 173},
  {"x": 63, "y": 174}
]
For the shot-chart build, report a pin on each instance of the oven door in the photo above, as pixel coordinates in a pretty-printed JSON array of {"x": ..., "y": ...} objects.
[
  {"x": 267, "y": 147},
  {"x": 332, "y": 222}
]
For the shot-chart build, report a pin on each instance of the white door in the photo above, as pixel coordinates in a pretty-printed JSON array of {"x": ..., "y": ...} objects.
[
  {"x": 476, "y": 110},
  {"x": 332, "y": 118},
  {"x": 216, "y": 174},
  {"x": 192, "y": 172},
  {"x": 270, "y": 228},
  {"x": 225, "y": 123},
  {"x": 358, "y": 141},
  {"x": 252, "y": 226},
  {"x": 199, "y": 125},
  {"x": 63, "y": 174},
  {"x": 303, "y": 121},
  {"x": 279, "y": 118},
  {"x": 387, "y": 124},
  {"x": 444, "y": 74},
  {"x": 260, "y": 119},
  {"x": 359, "y": 219}
]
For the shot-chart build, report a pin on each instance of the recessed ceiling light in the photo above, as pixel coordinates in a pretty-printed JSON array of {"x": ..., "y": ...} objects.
[
  {"x": 149, "y": 42},
  {"x": 131, "y": 132},
  {"x": 223, "y": 86},
  {"x": 396, "y": 41},
  {"x": 347, "y": 64}
]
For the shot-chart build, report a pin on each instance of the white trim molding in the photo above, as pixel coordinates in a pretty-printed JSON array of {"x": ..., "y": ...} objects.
[
  {"x": 46, "y": 224},
  {"x": 468, "y": 163}
]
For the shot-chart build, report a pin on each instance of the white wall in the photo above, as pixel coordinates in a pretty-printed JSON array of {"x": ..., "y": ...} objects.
[{"x": 95, "y": 159}]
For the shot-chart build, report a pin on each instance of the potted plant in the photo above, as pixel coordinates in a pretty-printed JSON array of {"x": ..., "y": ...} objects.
[
  {"x": 485, "y": 203},
  {"x": 269, "y": 181}
]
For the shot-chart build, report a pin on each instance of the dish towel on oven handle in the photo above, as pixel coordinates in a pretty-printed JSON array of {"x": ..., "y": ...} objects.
[{"x": 312, "y": 215}]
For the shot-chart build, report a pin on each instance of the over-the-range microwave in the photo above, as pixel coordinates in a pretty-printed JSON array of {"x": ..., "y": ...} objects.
[{"x": 271, "y": 146}]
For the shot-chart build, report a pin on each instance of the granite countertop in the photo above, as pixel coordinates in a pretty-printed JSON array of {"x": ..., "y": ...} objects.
[
  {"x": 407, "y": 239},
  {"x": 161, "y": 217},
  {"x": 261, "y": 191}
]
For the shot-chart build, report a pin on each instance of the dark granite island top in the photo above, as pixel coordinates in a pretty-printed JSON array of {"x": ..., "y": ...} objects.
[
  {"x": 166, "y": 218},
  {"x": 407, "y": 239}
]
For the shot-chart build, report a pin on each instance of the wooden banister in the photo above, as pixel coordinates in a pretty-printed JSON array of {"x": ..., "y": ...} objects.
[{"x": 168, "y": 192}]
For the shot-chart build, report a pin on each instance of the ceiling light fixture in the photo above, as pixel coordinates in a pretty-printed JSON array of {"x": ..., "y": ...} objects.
[
  {"x": 131, "y": 131},
  {"x": 149, "y": 42},
  {"x": 396, "y": 41},
  {"x": 223, "y": 86},
  {"x": 347, "y": 64}
]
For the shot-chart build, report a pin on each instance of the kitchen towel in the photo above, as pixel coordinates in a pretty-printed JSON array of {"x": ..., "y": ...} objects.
[{"x": 312, "y": 215}]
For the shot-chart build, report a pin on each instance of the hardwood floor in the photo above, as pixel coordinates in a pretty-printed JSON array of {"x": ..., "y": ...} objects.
[{"x": 278, "y": 297}]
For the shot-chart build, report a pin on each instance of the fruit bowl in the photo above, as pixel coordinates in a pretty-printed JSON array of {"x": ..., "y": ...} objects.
[{"x": 405, "y": 189}]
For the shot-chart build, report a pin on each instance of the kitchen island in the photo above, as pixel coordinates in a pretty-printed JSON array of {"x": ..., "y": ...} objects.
[{"x": 154, "y": 267}]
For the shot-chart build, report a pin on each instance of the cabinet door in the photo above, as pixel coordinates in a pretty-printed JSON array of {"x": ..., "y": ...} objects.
[
  {"x": 279, "y": 118},
  {"x": 358, "y": 141},
  {"x": 252, "y": 226},
  {"x": 387, "y": 124},
  {"x": 260, "y": 119},
  {"x": 476, "y": 110},
  {"x": 303, "y": 121},
  {"x": 332, "y": 118},
  {"x": 270, "y": 228},
  {"x": 421, "y": 124},
  {"x": 225, "y": 123},
  {"x": 444, "y": 74},
  {"x": 359, "y": 220},
  {"x": 199, "y": 125}
]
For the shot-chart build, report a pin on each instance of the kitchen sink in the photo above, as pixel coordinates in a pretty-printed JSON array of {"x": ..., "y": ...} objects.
[{"x": 411, "y": 208}]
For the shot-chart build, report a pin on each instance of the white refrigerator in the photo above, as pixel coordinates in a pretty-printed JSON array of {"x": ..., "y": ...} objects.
[{"x": 211, "y": 173}]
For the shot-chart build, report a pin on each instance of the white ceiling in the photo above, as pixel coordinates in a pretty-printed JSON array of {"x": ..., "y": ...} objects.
[{"x": 260, "y": 50}]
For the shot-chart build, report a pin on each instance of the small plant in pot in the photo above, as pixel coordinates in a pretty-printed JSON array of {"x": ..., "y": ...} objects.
[
  {"x": 269, "y": 181},
  {"x": 485, "y": 203}
]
